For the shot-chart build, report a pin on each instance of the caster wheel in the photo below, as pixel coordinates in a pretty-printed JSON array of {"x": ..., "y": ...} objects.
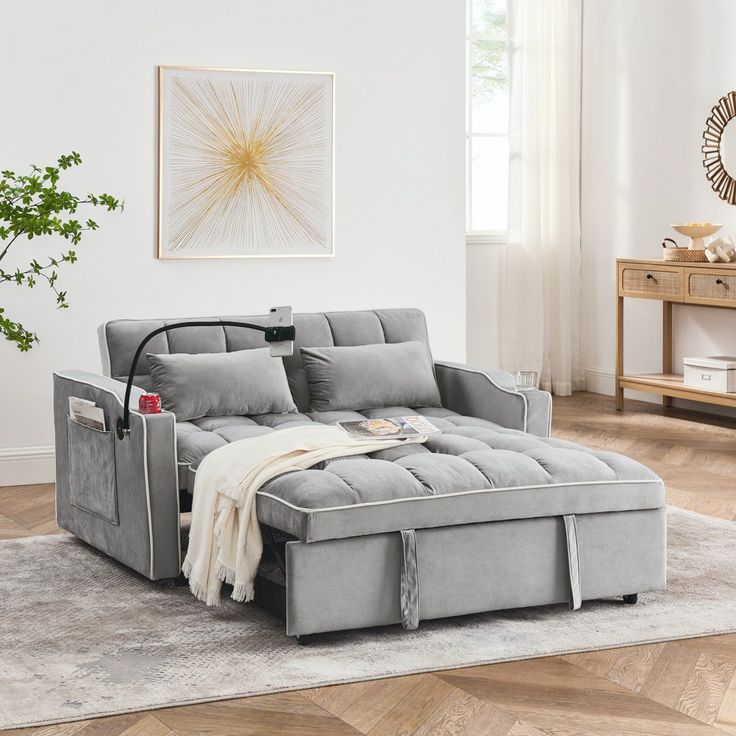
[{"x": 631, "y": 599}]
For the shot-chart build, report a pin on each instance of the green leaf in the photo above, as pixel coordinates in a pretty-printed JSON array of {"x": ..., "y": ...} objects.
[
  {"x": 33, "y": 205},
  {"x": 16, "y": 333}
]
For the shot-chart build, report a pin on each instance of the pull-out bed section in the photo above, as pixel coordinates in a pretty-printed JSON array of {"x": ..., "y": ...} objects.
[
  {"x": 489, "y": 514},
  {"x": 479, "y": 518}
]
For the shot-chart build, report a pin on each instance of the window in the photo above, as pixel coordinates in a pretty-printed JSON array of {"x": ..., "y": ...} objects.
[{"x": 487, "y": 121}]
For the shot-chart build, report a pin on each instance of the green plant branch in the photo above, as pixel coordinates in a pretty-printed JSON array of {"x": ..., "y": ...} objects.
[
  {"x": 7, "y": 247},
  {"x": 15, "y": 332},
  {"x": 22, "y": 277},
  {"x": 32, "y": 205}
]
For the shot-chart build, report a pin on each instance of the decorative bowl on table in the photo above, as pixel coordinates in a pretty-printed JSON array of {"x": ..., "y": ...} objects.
[{"x": 697, "y": 232}]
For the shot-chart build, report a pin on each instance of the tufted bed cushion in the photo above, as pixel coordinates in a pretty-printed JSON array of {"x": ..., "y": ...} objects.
[{"x": 474, "y": 471}]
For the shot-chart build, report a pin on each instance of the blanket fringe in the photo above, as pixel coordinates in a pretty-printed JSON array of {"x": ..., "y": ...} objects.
[
  {"x": 186, "y": 568},
  {"x": 199, "y": 591},
  {"x": 243, "y": 593},
  {"x": 225, "y": 574}
]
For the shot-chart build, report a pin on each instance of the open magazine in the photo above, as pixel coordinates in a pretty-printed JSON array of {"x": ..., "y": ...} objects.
[
  {"x": 87, "y": 413},
  {"x": 392, "y": 428}
]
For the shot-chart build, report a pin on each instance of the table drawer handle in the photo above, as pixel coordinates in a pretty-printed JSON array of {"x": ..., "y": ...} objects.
[
  {"x": 649, "y": 276},
  {"x": 719, "y": 281}
]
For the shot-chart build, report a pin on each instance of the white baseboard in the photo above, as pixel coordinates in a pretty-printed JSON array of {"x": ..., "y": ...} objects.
[
  {"x": 599, "y": 381},
  {"x": 20, "y": 466}
]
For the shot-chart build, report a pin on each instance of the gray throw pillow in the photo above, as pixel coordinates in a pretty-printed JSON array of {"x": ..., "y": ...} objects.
[
  {"x": 370, "y": 376},
  {"x": 221, "y": 384}
]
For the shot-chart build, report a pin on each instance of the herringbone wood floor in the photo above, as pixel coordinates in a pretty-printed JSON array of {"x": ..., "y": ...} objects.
[{"x": 683, "y": 688}]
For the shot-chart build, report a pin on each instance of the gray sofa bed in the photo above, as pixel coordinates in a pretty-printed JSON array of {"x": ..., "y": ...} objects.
[{"x": 492, "y": 513}]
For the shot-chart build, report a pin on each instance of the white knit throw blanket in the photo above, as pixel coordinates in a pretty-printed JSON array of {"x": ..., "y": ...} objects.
[{"x": 225, "y": 542}]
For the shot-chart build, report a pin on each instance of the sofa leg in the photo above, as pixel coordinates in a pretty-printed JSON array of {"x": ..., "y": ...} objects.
[
  {"x": 178, "y": 582},
  {"x": 304, "y": 639},
  {"x": 631, "y": 599}
]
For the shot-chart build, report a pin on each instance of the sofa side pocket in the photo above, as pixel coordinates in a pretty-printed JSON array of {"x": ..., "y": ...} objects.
[{"x": 92, "y": 482}]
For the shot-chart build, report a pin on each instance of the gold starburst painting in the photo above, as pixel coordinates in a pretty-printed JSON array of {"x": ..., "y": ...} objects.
[{"x": 245, "y": 163}]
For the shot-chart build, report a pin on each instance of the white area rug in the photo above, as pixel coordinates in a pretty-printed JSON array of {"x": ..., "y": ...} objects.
[{"x": 82, "y": 636}]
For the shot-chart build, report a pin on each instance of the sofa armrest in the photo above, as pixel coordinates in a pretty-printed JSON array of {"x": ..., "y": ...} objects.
[
  {"x": 538, "y": 412},
  {"x": 120, "y": 496},
  {"x": 490, "y": 394}
]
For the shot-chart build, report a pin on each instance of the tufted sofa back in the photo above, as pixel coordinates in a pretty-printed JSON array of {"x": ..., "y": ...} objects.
[{"x": 120, "y": 338}]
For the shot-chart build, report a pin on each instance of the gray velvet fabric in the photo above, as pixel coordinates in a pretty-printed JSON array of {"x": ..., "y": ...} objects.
[
  {"x": 473, "y": 471},
  {"x": 476, "y": 450},
  {"x": 523, "y": 475},
  {"x": 490, "y": 394},
  {"x": 486, "y": 501},
  {"x": 450, "y": 509},
  {"x": 163, "y": 493},
  {"x": 538, "y": 412},
  {"x": 92, "y": 481},
  {"x": 640, "y": 543},
  {"x": 367, "y": 376},
  {"x": 472, "y": 568},
  {"x": 475, "y": 514},
  {"x": 460, "y": 436},
  {"x": 220, "y": 384},
  {"x": 385, "y": 481},
  {"x": 146, "y": 537},
  {"x": 487, "y": 394},
  {"x": 119, "y": 339},
  {"x": 200, "y": 436}
]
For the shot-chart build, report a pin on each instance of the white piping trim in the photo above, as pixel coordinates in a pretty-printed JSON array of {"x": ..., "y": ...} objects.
[
  {"x": 178, "y": 503},
  {"x": 90, "y": 383},
  {"x": 105, "y": 349},
  {"x": 145, "y": 455},
  {"x": 148, "y": 491},
  {"x": 468, "y": 369},
  {"x": 460, "y": 493},
  {"x": 526, "y": 410}
]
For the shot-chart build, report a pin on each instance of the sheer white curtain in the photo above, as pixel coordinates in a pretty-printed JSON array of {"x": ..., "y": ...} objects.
[{"x": 540, "y": 281}]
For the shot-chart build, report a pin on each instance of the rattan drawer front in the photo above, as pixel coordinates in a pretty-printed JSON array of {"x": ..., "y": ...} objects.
[
  {"x": 711, "y": 287},
  {"x": 649, "y": 282}
]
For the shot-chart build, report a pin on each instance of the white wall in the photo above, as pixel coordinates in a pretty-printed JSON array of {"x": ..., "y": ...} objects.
[
  {"x": 399, "y": 171},
  {"x": 651, "y": 73},
  {"x": 483, "y": 262}
]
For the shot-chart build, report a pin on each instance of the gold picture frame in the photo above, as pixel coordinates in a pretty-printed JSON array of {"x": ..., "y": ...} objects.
[{"x": 246, "y": 163}]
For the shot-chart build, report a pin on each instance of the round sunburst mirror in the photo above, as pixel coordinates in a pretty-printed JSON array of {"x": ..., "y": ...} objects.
[{"x": 719, "y": 148}]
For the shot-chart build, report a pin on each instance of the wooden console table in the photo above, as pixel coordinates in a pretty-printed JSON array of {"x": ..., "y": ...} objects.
[{"x": 699, "y": 284}]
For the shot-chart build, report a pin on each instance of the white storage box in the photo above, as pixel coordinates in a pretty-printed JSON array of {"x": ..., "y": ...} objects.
[{"x": 717, "y": 373}]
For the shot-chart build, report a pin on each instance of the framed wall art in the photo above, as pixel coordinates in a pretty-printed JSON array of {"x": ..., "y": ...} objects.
[{"x": 246, "y": 161}]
